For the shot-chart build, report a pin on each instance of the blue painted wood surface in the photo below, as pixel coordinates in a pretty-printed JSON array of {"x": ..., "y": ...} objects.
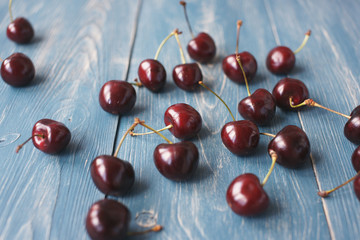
[{"x": 81, "y": 45}]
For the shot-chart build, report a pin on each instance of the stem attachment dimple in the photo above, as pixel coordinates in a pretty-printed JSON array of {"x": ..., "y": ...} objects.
[
  {"x": 163, "y": 43},
  {"x": 123, "y": 137},
  {"x": 326, "y": 193},
  {"x": 156, "y": 228},
  {"x": 142, "y": 123},
  {"x": 137, "y": 83},
  {"x": 273, "y": 158},
  {"x": 244, "y": 75},
  {"x": 21, "y": 145},
  {"x": 183, "y": 3},
  {"x": 202, "y": 84},
  {"x": 180, "y": 47},
  {"x": 147, "y": 133},
  {"x": 10, "y": 12},
  {"x": 238, "y": 23},
  {"x": 307, "y": 36}
]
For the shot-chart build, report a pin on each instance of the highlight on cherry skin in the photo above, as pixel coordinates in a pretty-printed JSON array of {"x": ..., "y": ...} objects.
[
  {"x": 20, "y": 29},
  {"x": 49, "y": 136},
  {"x": 17, "y": 70}
]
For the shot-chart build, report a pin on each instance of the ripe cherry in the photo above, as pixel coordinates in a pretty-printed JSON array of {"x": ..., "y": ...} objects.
[
  {"x": 281, "y": 59},
  {"x": 17, "y": 70},
  {"x": 49, "y": 136},
  {"x": 231, "y": 67},
  {"x": 117, "y": 97},
  {"x": 20, "y": 29},
  {"x": 187, "y": 76},
  {"x": 357, "y": 187},
  {"x": 352, "y": 126},
  {"x": 355, "y": 159},
  {"x": 201, "y": 48}
]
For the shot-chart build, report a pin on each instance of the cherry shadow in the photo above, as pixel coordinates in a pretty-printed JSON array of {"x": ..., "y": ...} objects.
[
  {"x": 139, "y": 188},
  {"x": 297, "y": 69},
  {"x": 169, "y": 87},
  {"x": 202, "y": 172}
]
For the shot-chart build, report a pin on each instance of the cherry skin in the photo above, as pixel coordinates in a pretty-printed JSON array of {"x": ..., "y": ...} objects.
[
  {"x": 108, "y": 219},
  {"x": 187, "y": 76},
  {"x": 290, "y": 88},
  {"x": 202, "y": 48},
  {"x": 117, "y": 97},
  {"x": 280, "y": 60},
  {"x": 17, "y": 70},
  {"x": 111, "y": 175},
  {"x": 233, "y": 71},
  {"x": 50, "y": 136},
  {"x": 246, "y": 197},
  {"x": 186, "y": 121},
  {"x": 20, "y": 30},
  {"x": 152, "y": 74},
  {"x": 357, "y": 187},
  {"x": 259, "y": 107},
  {"x": 292, "y": 147},
  {"x": 355, "y": 159},
  {"x": 240, "y": 137},
  {"x": 176, "y": 161},
  {"x": 352, "y": 127}
]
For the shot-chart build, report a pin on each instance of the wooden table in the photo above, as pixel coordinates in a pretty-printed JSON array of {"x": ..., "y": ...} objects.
[{"x": 79, "y": 45}]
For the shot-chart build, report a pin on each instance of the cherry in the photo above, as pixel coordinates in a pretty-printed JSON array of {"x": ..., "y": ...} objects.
[
  {"x": 281, "y": 59},
  {"x": 240, "y": 137},
  {"x": 355, "y": 159},
  {"x": 108, "y": 219},
  {"x": 117, "y": 97},
  {"x": 246, "y": 196},
  {"x": 231, "y": 67},
  {"x": 201, "y": 48},
  {"x": 49, "y": 136},
  {"x": 187, "y": 76},
  {"x": 357, "y": 187},
  {"x": 352, "y": 126},
  {"x": 17, "y": 70},
  {"x": 291, "y": 145}
]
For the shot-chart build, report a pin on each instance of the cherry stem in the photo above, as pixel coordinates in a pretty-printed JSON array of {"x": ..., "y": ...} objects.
[
  {"x": 180, "y": 47},
  {"x": 142, "y": 123},
  {"x": 326, "y": 193},
  {"x": 136, "y": 83},
  {"x": 10, "y": 12},
  {"x": 156, "y": 228},
  {"x": 239, "y": 23},
  {"x": 147, "y": 133},
  {"x": 183, "y": 3},
  {"x": 21, "y": 145},
  {"x": 268, "y": 134},
  {"x": 123, "y": 137},
  {"x": 163, "y": 43},
  {"x": 243, "y": 72},
  {"x": 307, "y": 36},
  {"x": 310, "y": 102},
  {"x": 273, "y": 158},
  {"x": 202, "y": 84}
]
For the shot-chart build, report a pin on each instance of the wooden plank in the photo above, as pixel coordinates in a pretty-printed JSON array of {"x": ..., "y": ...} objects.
[{"x": 329, "y": 67}]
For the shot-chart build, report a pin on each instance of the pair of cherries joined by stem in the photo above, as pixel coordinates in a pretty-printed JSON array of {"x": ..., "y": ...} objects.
[
  {"x": 291, "y": 94},
  {"x": 281, "y": 59},
  {"x": 245, "y": 194},
  {"x": 20, "y": 29}
]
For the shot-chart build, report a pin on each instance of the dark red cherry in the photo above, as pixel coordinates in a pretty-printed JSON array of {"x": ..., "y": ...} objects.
[
  {"x": 108, "y": 219},
  {"x": 292, "y": 147},
  {"x": 355, "y": 159},
  {"x": 246, "y": 197},
  {"x": 259, "y": 107},
  {"x": 288, "y": 88},
  {"x": 20, "y": 30},
  {"x": 233, "y": 71},
  {"x": 202, "y": 48},
  {"x": 240, "y": 137},
  {"x": 176, "y": 161},
  {"x": 111, "y": 175},
  {"x": 357, "y": 187},
  {"x": 187, "y": 76},
  {"x": 17, "y": 70},
  {"x": 352, "y": 126},
  {"x": 280, "y": 60},
  {"x": 152, "y": 74},
  {"x": 186, "y": 121},
  {"x": 117, "y": 97},
  {"x": 50, "y": 136}
]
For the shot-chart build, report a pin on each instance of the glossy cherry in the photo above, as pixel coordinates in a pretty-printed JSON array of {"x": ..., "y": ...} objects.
[
  {"x": 152, "y": 74},
  {"x": 20, "y": 31},
  {"x": 117, "y": 97},
  {"x": 187, "y": 76},
  {"x": 233, "y": 71},
  {"x": 17, "y": 70},
  {"x": 177, "y": 161},
  {"x": 352, "y": 126},
  {"x": 240, "y": 137},
  {"x": 292, "y": 147},
  {"x": 357, "y": 187},
  {"x": 111, "y": 175},
  {"x": 355, "y": 159},
  {"x": 108, "y": 219},
  {"x": 246, "y": 196},
  {"x": 185, "y": 120},
  {"x": 288, "y": 88}
]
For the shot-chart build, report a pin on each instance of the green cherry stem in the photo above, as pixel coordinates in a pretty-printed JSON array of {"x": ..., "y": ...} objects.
[
  {"x": 326, "y": 193},
  {"x": 156, "y": 228},
  {"x": 243, "y": 72},
  {"x": 21, "y": 145},
  {"x": 273, "y": 158},
  {"x": 268, "y": 134},
  {"x": 10, "y": 12},
  {"x": 136, "y": 83},
  {"x": 183, "y": 3},
  {"x": 147, "y": 133},
  {"x": 163, "y": 43},
  {"x": 307, "y": 36},
  {"x": 180, "y": 47},
  {"x": 142, "y": 123},
  {"x": 311, "y": 103},
  {"x": 131, "y": 128}
]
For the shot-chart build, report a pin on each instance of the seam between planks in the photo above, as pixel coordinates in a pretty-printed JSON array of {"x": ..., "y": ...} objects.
[{"x": 277, "y": 40}]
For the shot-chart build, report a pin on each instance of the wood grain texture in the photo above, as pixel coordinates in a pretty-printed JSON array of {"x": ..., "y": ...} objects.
[{"x": 80, "y": 45}]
